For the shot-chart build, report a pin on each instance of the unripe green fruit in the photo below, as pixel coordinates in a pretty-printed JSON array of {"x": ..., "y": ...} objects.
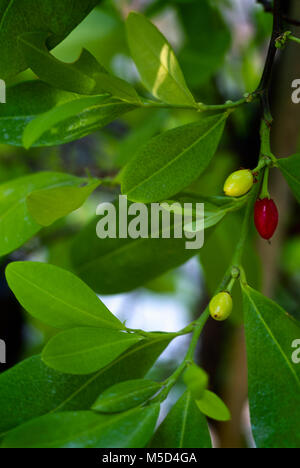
[
  {"x": 196, "y": 380},
  {"x": 221, "y": 306},
  {"x": 239, "y": 183}
]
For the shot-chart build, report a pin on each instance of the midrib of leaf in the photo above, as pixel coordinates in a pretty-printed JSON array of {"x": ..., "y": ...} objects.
[
  {"x": 185, "y": 414},
  {"x": 170, "y": 163},
  {"x": 282, "y": 353},
  {"x": 93, "y": 348},
  {"x": 58, "y": 299},
  {"x": 178, "y": 83}
]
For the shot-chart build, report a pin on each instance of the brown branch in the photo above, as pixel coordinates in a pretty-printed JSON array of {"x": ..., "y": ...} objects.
[
  {"x": 264, "y": 86},
  {"x": 268, "y": 7}
]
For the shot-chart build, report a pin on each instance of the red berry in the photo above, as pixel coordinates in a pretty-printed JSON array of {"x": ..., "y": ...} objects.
[{"x": 266, "y": 218}]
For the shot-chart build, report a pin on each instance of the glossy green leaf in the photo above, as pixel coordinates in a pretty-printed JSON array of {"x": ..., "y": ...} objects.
[
  {"x": 156, "y": 62},
  {"x": 172, "y": 161},
  {"x": 85, "y": 76},
  {"x": 57, "y": 297},
  {"x": 86, "y": 429},
  {"x": 25, "y": 101},
  {"x": 50, "y": 391},
  {"x": 16, "y": 224},
  {"x": 48, "y": 205},
  {"x": 54, "y": 116},
  {"x": 126, "y": 395},
  {"x": 55, "y": 17},
  {"x": 213, "y": 407},
  {"x": 290, "y": 167},
  {"x": 77, "y": 77},
  {"x": 184, "y": 427},
  {"x": 85, "y": 350},
  {"x": 74, "y": 119},
  {"x": 274, "y": 379}
]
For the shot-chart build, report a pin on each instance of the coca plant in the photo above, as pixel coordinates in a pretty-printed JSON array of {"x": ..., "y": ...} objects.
[{"x": 88, "y": 386}]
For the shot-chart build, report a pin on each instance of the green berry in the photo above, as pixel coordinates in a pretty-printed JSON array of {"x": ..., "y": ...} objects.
[
  {"x": 239, "y": 183},
  {"x": 221, "y": 306},
  {"x": 196, "y": 380}
]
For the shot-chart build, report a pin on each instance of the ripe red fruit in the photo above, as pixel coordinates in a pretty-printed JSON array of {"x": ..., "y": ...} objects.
[{"x": 266, "y": 218}]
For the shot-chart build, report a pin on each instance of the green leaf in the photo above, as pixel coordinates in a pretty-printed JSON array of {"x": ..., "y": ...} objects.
[
  {"x": 290, "y": 167},
  {"x": 77, "y": 77},
  {"x": 156, "y": 62},
  {"x": 274, "y": 380},
  {"x": 213, "y": 407},
  {"x": 184, "y": 427},
  {"x": 86, "y": 429},
  {"x": 70, "y": 117},
  {"x": 173, "y": 160},
  {"x": 51, "y": 391},
  {"x": 126, "y": 395},
  {"x": 25, "y": 101},
  {"x": 16, "y": 224},
  {"x": 57, "y": 297},
  {"x": 85, "y": 350},
  {"x": 54, "y": 17},
  {"x": 48, "y": 205},
  {"x": 85, "y": 76},
  {"x": 74, "y": 120}
]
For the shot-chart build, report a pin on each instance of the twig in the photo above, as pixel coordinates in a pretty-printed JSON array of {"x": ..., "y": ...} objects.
[
  {"x": 264, "y": 86},
  {"x": 295, "y": 39},
  {"x": 268, "y": 7}
]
